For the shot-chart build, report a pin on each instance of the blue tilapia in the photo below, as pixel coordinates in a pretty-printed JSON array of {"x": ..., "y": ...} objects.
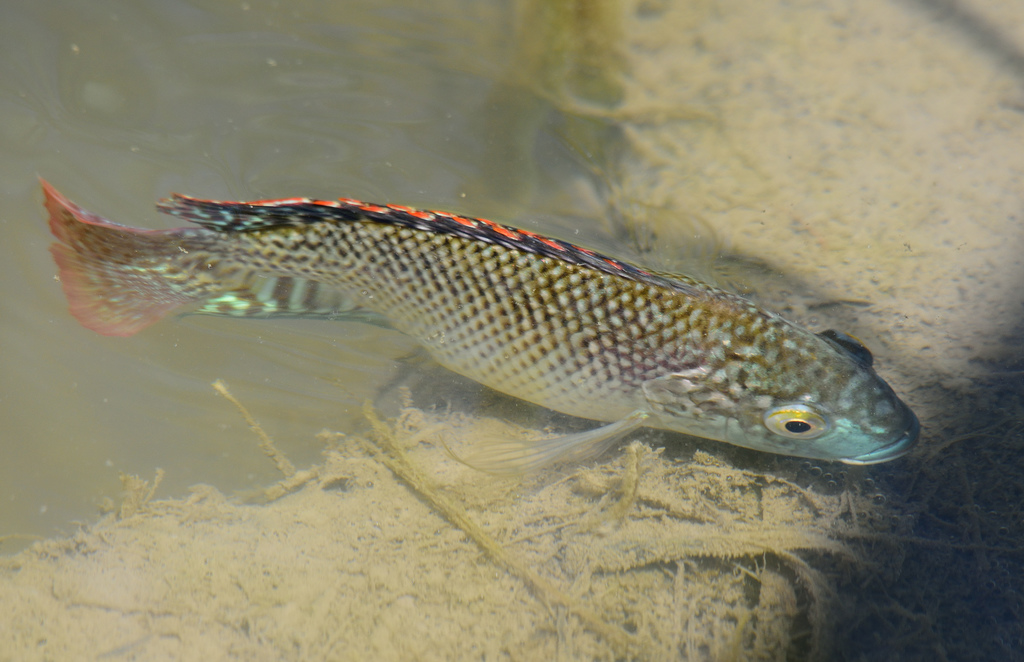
[{"x": 534, "y": 317}]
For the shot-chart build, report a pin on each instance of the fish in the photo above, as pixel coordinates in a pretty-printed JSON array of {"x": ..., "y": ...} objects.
[{"x": 535, "y": 317}]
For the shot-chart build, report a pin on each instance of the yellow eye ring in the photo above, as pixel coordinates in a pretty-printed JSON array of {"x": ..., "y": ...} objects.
[{"x": 796, "y": 422}]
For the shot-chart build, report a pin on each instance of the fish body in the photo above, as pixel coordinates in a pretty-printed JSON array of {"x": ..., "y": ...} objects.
[{"x": 534, "y": 317}]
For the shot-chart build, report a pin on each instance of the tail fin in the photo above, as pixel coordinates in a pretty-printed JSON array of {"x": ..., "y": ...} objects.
[{"x": 119, "y": 280}]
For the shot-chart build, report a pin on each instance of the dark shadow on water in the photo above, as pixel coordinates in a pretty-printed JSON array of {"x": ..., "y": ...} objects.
[
  {"x": 949, "y": 579},
  {"x": 981, "y": 31},
  {"x": 945, "y": 577}
]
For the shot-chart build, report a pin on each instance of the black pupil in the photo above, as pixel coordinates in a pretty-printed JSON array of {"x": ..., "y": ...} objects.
[{"x": 797, "y": 426}]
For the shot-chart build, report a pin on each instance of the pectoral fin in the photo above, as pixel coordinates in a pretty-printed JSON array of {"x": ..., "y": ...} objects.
[{"x": 504, "y": 456}]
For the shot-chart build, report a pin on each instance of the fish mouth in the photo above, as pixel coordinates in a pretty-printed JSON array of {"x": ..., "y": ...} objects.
[{"x": 893, "y": 450}]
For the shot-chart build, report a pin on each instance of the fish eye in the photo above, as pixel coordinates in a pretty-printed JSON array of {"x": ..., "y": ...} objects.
[{"x": 796, "y": 422}]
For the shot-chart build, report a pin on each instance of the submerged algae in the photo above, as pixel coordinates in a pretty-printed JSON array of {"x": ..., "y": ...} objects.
[{"x": 377, "y": 552}]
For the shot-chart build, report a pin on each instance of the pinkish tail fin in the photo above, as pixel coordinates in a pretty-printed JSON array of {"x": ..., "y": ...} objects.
[{"x": 118, "y": 280}]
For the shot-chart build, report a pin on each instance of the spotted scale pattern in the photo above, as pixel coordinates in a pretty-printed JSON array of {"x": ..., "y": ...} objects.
[{"x": 535, "y": 317}]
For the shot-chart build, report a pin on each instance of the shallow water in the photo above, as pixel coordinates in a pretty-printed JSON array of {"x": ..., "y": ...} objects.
[
  {"x": 120, "y": 103},
  {"x": 869, "y": 152}
]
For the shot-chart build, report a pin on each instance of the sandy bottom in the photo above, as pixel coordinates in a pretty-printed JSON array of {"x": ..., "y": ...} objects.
[
  {"x": 639, "y": 557},
  {"x": 869, "y": 151}
]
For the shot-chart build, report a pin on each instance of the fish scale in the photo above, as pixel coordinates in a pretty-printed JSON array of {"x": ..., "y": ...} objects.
[
  {"x": 484, "y": 310},
  {"x": 534, "y": 317}
]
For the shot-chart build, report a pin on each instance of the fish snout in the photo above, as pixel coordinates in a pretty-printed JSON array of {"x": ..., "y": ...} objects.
[{"x": 901, "y": 446}]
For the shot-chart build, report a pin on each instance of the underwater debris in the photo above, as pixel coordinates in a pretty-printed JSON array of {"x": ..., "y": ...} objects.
[
  {"x": 293, "y": 479},
  {"x": 623, "y": 534},
  {"x": 385, "y": 447},
  {"x": 137, "y": 493},
  {"x": 639, "y": 556}
]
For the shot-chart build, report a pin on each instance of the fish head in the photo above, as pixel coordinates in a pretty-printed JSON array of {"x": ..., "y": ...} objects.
[{"x": 815, "y": 396}]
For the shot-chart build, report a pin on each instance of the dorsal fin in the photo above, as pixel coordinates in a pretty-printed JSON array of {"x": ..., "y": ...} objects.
[{"x": 297, "y": 212}]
